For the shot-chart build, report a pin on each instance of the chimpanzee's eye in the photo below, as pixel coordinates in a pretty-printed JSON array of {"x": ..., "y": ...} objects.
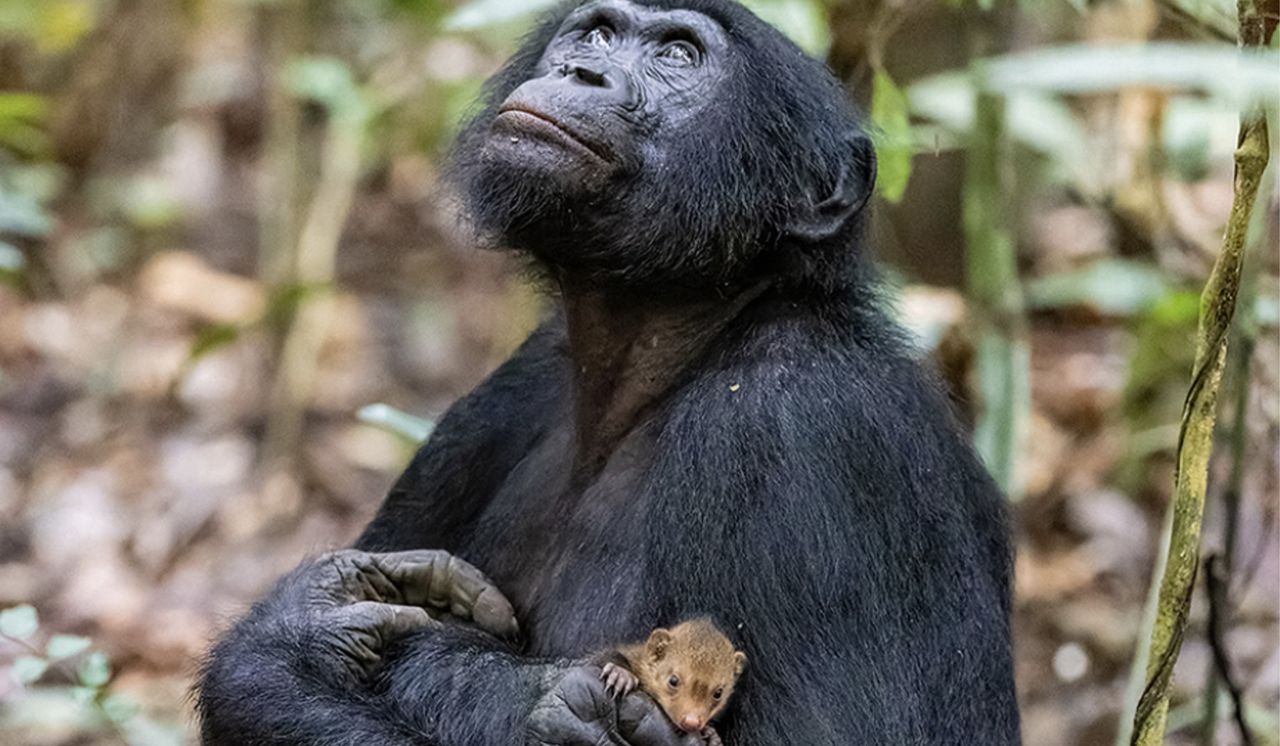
[
  {"x": 600, "y": 37},
  {"x": 674, "y": 681},
  {"x": 680, "y": 53}
]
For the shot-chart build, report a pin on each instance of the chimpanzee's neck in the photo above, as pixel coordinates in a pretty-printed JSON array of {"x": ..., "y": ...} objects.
[{"x": 629, "y": 352}]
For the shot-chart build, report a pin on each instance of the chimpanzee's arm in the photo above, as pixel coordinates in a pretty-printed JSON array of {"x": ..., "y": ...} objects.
[
  {"x": 313, "y": 666},
  {"x": 282, "y": 675}
]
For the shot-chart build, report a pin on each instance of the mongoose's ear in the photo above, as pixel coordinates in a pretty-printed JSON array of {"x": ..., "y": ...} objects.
[
  {"x": 740, "y": 661},
  {"x": 658, "y": 643}
]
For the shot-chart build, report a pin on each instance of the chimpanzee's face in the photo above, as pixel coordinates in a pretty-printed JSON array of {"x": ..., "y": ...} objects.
[{"x": 614, "y": 84}]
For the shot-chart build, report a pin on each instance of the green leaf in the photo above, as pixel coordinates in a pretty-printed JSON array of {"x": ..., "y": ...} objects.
[
  {"x": 892, "y": 135},
  {"x": 285, "y": 300},
  {"x": 211, "y": 339},
  {"x": 65, "y": 646},
  {"x": 1113, "y": 287},
  {"x": 22, "y": 215},
  {"x": 28, "y": 669},
  {"x": 803, "y": 21},
  {"x": 330, "y": 82},
  {"x": 142, "y": 731},
  {"x": 119, "y": 709},
  {"x": 1039, "y": 121},
  {"x": 22, "y": 117},
  {"x": 150, "y": 204},
  {"x": 1180, "y": 309},
  {"x": 95, "y": 671},
  {"x": 324, "y": 79},
  {"x": 19, "y": 622},
  {"x": 11, "y": 258},
  {"x": 1219, "y": 70},
  {"x": 1219, "y": 15},
  {"x": 412, "y": 429},
  {"x": 480, "y": 14},
  {"x": 84, "y": 695}
]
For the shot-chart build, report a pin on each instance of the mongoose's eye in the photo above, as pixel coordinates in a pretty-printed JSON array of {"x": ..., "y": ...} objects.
[
  {"x": 674, "y": 681},
  {"x": 717, "y": 694}
]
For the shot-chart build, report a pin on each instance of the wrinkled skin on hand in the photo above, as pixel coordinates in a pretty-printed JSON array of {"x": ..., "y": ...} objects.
[
  {"x": 580, "y": 712},
  {"x": 362, "y": 601}
]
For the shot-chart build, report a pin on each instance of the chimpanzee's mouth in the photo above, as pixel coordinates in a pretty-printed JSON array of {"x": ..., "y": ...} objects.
[{"x": 528, "y": 119}]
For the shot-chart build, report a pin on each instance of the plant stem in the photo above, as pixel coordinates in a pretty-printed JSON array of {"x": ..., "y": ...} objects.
[
  {"x": 315, "y": 268},
  {"x": 1246, "y": 334},
  {"x": 283, "y": 25},
  {"x": 1195, "y": 441},
  {"x": 994, "y": 289}
]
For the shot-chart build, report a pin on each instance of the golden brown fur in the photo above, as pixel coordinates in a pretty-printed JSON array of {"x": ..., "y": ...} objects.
[{"x": 689, "y": 670}]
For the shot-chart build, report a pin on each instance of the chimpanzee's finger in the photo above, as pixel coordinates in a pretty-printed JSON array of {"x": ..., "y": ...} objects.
[{"x": 435, "y": 578}]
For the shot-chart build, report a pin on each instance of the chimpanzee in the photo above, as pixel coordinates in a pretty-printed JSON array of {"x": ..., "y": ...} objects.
[{"x": 718, "y": 419}]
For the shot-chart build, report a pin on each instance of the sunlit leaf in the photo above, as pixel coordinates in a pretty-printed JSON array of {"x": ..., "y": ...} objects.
[
  {"x": 1219, "y": 70},
  {"x": 1218, "y": 15},
  {"x": 1113, "y": 287},
  {"x": 1178, "y": 309},
  {"x": 211, "y": 339},
  {"x": 18, "y": 17},
  {"x": 95, "y": 671},
  {"x": 62, "y": 23},
  {"x": 803, "y": 21},
  {"x": 45, "y": 710},
  {"x": 480, "y": 14},
  {"x": 329, "y": 81},
  {"x": 150, "y": 203},
  {"x": 324, "y": 79},
  {"x": 22, "y": 215},
  {"x": 892, "y": 135},
  {"x": 65, "y": 646},
  {"x": 22, "y": 117},
  {"x": 1267, "y": 310},
  {"x": 119, "y": 709},
  {"x": 411, "y": 428},
  {"x": 19, "y": 622},
  {"x": 11, "y": 258},
  {"x": 143, "y": 731},
  {"x": 28, "y": 669},
  {"x": 1039, "y": 121}
]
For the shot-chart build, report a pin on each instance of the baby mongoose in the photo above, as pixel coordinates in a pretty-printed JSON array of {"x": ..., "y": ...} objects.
[{"x": 689, "y": 670}]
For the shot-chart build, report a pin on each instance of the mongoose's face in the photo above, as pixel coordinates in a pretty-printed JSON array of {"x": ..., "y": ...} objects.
[{"x": 690, "y": 670}]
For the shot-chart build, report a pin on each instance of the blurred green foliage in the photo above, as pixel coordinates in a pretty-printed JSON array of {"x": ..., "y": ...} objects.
[
  {"x": 894, "y": 139},
  {"x": 82, "y": 692}
]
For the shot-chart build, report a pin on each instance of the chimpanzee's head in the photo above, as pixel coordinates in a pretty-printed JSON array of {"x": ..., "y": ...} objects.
[{"x": 668, "y": 144}]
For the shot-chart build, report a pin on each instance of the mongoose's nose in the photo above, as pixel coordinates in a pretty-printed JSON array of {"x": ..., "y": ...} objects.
[{"x": 690, "y": 724}]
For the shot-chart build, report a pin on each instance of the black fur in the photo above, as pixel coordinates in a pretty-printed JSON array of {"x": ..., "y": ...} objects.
[{"x": 804, "y": 483}]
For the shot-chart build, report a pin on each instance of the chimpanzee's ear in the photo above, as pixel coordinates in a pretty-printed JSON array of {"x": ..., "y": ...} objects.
[
  {"x": 657, "y": 644},
  {"x": 853, "y": 188}
]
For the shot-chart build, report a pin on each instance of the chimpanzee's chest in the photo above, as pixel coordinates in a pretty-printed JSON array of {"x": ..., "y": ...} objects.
[{"x": 570, "y": 556}]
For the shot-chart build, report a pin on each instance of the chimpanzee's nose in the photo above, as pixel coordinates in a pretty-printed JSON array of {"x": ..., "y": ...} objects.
[
  {"x": 588, "y": 76},
  {"x": 598, "y": 81}
]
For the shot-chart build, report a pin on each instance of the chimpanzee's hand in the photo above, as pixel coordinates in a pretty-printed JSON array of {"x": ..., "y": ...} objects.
[
  {"x": 356, "y": 602},
  {"x": 579, "y": 712}
]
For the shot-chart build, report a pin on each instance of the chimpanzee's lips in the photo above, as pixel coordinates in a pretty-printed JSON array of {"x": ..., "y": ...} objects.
[{"x": 524, "y": 117}]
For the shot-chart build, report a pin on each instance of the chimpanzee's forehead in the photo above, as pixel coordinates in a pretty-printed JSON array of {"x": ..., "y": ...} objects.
[{"x": 645, "y": 14}]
